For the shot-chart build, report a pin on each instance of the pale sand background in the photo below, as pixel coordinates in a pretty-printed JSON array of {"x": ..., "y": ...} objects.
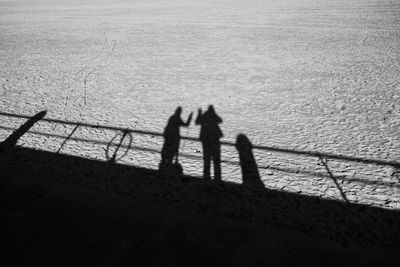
[{"x": 310, "y": 75}]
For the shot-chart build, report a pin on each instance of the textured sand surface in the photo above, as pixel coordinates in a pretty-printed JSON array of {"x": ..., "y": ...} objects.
[{"x": 311, "y": 75}]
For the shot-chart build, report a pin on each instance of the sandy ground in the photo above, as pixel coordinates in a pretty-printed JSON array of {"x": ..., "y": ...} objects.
[{"x": 316, "y": 75}]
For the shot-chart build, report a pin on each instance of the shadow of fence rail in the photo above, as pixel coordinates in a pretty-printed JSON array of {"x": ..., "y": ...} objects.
[
  {"x": 323, "y": 157},
  {"x": 152, "y": 133}
]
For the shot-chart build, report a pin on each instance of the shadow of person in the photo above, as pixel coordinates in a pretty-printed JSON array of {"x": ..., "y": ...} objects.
[
  {"x": 210, "y": 133},
  {"x": 172, "y": 139},
  {"x": 251, "y": 177}
]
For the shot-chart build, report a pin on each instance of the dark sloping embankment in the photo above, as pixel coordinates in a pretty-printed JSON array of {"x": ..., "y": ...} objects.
[{"x": 64, "y": 210}]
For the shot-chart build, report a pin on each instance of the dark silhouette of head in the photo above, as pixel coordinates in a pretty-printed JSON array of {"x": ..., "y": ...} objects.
[
  {"x": 178, "y": 111},
  {"x": 243, "y": 143}
]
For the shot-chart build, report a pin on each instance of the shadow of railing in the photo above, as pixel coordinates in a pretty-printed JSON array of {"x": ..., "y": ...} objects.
[
  {"x": 323, "y": 157},
  {"x": 17, "y": 133},
  {"x": 315, "y": 154}
]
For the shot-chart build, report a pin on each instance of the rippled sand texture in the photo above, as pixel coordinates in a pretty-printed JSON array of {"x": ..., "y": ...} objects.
[{"x": 306, "y": 75}]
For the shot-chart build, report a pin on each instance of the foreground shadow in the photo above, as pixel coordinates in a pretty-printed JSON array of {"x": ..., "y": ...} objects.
[{"x": 351, "y": 224}]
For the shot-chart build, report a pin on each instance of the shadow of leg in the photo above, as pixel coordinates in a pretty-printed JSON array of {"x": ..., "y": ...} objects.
[
  {"x": 206, "y": 161},
  {"x": 217, "y": 162}
]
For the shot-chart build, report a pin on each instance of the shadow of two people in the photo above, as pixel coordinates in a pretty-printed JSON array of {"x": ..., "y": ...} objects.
[{"x": 210, "y": 135}]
